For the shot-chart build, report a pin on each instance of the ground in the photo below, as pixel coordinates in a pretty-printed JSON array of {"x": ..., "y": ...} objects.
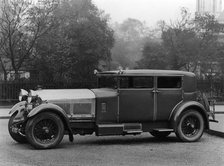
[{"x": 116, "y": 150}]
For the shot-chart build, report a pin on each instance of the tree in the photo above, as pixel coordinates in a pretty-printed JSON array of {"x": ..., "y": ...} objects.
[
  {"x": 154, "y": 56},
  {"x": 130, "y": 37},
  {"x": 207, "y": 29},
  {"x": 21, "y": 24},
  {"x": 187, "y": 42},
  {"x": 182, "y": 48},
  {"x": 181, "y": 42},
  {"x": 80, "y": 38}
]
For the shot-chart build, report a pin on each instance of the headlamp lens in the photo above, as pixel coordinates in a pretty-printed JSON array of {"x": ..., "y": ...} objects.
[
  {"x": 23, "y": 94},
  {"x": 32, "y": 95},
  {"x": 20, "y": 98}
]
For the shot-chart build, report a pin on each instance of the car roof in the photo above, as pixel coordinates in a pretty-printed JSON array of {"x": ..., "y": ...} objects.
[{"x": 147, "y": 72}]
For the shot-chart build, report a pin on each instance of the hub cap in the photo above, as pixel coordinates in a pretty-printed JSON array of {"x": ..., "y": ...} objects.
[{"x": 190, "y": 126}]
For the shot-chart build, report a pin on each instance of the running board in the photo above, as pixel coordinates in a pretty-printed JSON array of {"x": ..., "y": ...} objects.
[
  {"x": 119, "y": 129},
  {"x": 133, "y": 131},
  {"x": 133, "y": 128},
  {"x": 163, "y": 130}
]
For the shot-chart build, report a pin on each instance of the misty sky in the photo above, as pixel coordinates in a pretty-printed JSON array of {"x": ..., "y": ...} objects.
[{"x": 150, "y": 11}]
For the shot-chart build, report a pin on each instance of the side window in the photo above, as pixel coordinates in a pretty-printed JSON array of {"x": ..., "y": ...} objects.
[
  {"x": 136, "y": 82},
  {"x": 169, "y": 82},
  {"x": 107, "y": 82},
  {"x": 142, "y": 82},
  {"x": 125, "y": 82}
]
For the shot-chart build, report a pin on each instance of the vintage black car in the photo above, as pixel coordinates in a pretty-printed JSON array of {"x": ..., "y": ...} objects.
[{"x": 125, "y": 102}]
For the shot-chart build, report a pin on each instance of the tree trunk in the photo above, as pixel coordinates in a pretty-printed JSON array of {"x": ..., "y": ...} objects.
[
  {"x": 4, "y": 70},
  {"x": 17, "y": 76},
  {"x": 5, "y": 76}
]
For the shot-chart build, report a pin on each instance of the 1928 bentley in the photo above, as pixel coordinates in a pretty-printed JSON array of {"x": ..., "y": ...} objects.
[{"x": 125, "y": 102}]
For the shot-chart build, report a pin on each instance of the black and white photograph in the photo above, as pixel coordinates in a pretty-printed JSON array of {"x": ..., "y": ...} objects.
[{"x": 111, "y": 82}]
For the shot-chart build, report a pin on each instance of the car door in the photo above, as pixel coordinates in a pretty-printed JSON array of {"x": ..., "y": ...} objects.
[
  {"x": 168, "y": 95},
  {"x": 136, "y": 99}
]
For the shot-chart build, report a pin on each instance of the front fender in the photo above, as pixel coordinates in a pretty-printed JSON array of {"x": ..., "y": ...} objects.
[
  {"x": 55, "y": 109},
  {"x": 47, "y": 106},
  {"x": 18, "y": 107},
  {"x": 174, "y": 117}
]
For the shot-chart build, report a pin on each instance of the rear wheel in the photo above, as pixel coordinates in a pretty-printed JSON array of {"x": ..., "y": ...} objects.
[
  {"x": 190, "y": 126},
  {"x": 16, "y": 130},
  {"x": 45, "y": 130},
  {"x": 160, "y": 134}
]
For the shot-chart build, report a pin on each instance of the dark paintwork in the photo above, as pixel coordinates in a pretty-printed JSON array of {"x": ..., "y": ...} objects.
[
  {"x": 110, "y": 115},
  {"x": 183, "y": 106},
  {"x": 154, "y": 107},
  {"x": 189, "y": 81},
  {"x": 106, "y": 98},
  {"x": 136, "y": 105},
  {"x": 133, "y": 110},
  {"x": 166, "y": 101}
]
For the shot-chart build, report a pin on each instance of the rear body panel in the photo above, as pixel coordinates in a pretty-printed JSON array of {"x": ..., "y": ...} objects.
[{"x": 165, "y": 108}]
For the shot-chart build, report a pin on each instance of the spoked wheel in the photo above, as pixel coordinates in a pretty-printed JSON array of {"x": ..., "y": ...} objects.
[
  {"x": 160, "y": 134},
  {"x": 190, "y": 127},
  {"x": 16, "y": 130},
  {"x": 45, "y": 130}
]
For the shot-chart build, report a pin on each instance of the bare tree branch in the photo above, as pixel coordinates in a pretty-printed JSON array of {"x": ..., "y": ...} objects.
[{"x": 21, "y": 24}]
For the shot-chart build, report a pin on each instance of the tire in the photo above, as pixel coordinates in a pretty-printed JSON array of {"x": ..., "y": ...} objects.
[
  {"x": 190, "y": 126},
  {"x": 160, "y": 134},
  {"x": 16, "y": 136},
  {"x": 45, "y": 130}
]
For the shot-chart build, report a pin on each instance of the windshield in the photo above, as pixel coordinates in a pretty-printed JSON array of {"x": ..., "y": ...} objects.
[{"x": 107, "y": 82}]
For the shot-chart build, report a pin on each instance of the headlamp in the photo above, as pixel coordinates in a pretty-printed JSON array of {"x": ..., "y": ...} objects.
[
  {"x": 23, "y": 95},
  {"x": 31, "y": 96}
]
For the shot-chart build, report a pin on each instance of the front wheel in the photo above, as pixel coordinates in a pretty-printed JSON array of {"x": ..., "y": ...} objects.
[
  {"x": 45, "y": 130},
  {"x": 16, "y": 130},
  {"x": 190, "y": 126}
]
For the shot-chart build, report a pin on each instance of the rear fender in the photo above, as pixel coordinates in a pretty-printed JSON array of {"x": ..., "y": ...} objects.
[
  {"x": 174, "y": 117},
  {"x": 49, "y": 107}
]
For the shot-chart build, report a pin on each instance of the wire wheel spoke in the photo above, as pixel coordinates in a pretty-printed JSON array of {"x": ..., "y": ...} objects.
[
  {"x": 45, "y": 131},
  {"x": 190, "y": 126}
]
